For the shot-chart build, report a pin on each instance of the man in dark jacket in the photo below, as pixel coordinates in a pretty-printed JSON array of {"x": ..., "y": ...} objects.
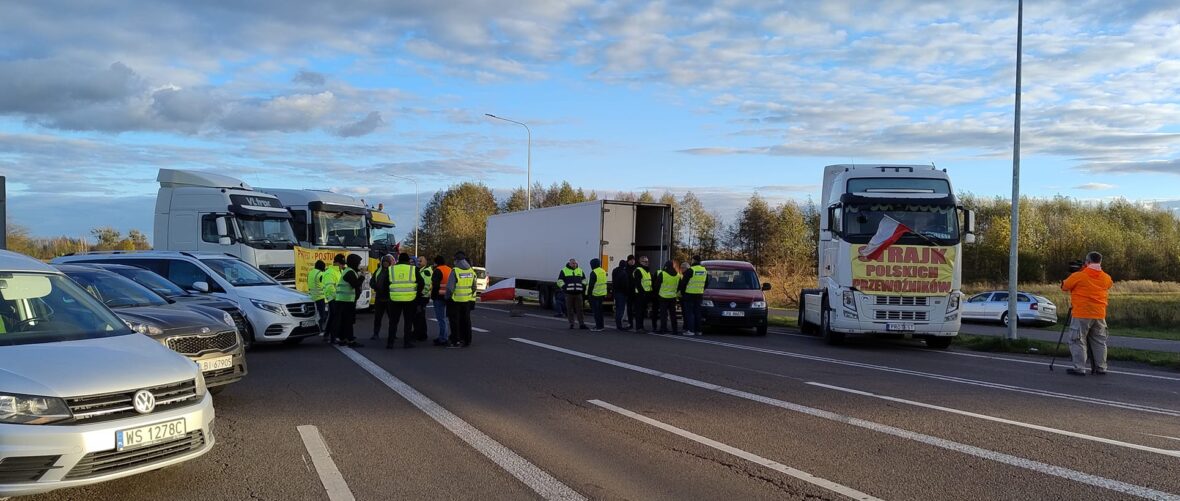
[
  {"x": 572, "y": 280},
  {"x": 621, "y": 278},
  {"x": 381, "y": 307}
]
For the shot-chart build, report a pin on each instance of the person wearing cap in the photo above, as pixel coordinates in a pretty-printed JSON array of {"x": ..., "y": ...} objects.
[
  {"x": 572, "y": 281},
  {"x": 598, "y": 289},
  {"x": 692, "y": 290},
  {"x": 461, "y": 299}
]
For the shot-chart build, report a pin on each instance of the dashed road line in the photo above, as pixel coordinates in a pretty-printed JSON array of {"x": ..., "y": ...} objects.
[{"x": 321, "y": 458}]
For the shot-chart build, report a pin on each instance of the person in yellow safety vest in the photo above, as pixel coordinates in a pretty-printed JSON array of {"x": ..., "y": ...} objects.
[
  {"x": 643, "y": 295},
  {"x": 315, "y": 289},
  {"x": 423, "y": 298},
  {"x": 348, "y": 290},
  {"x": 572, "y": 281},
  {"x": 597, "y": 288},
  {"x": 667, "y": 283},
  {"x": 405, "y": 284},
  {"x": 460, "y": 301},
  {"x": 692, "y": 290},
  {"x": 329, "y": 279}
]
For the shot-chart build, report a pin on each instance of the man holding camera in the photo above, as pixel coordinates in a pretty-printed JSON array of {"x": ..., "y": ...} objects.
[{"x": 1087, "y": 290}]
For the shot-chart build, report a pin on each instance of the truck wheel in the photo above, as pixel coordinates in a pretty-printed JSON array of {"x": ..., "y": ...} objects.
[
  {"x": 825, "y": 325},
  {"x": 804, "y": 327},
  {"x": 939, "y": 342}
]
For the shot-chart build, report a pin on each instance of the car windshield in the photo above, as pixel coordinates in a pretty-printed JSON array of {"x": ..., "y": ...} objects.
[
  {"x": 41, "y": 308},
  {"x": 156, "y": 283},
  {"x": 116, "y": 291},
  {"x": 340, "y": 229},
  {"x": 238, "y": 273},
  {"x": 266, "y": 233},
  {"x": 928, "y": 223},
  {"x": 732, "y": 280}
]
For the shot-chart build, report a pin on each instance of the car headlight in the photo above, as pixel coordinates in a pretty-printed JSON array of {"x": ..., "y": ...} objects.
[
  {"x": 201, "y": 388},
  {"x": 229, "y": 320},
  {"x": 850, "y": 300},
  {"x": 145, "y": 328},
  {"x": 953, "y": 304},
  {"x": 758, "y": 305},
  {"x": 26, "y": 409},
  {"x": 275, "y": 308},
  {"x": 706, "y": 303}
]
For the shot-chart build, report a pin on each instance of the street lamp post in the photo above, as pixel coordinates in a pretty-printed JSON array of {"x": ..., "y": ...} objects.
[
  {"x": 417, "y": 208},
  {"x": 1014, "y": 239},
  {"x": 528, "y": 187}
]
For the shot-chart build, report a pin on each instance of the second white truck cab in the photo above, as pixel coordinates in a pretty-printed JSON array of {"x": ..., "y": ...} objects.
[{"x": 203, "y": 212}]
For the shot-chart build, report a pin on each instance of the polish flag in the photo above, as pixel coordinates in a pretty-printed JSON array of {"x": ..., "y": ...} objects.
[
  {"x": 888, "y": 233},
  {"x": 504, "y": 290}
]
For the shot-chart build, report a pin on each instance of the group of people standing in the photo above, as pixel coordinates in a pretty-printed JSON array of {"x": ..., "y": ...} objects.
[
  {"x": 403, "y": 289},
  {"x": 640, "y": 293}
]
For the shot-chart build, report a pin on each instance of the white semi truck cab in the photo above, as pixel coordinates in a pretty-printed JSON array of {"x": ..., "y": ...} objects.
[
  {"x": 910, "y": 286},
  {"x": 203, "y": 212}
]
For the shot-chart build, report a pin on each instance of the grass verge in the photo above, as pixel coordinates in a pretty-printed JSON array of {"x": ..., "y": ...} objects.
[
  {"x": 1046, "y": 348},
  {"x": 782, "y": 321},
  {"x": 1170, "y": 335}
]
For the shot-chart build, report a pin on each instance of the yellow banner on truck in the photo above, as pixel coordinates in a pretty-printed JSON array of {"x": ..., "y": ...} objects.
[
  {"x": 305, "y": 260},
  {"x": 905, "y": 270}
]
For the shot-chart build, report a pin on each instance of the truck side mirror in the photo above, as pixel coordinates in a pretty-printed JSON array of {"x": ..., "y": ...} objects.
[
  {"x": 835, "y": 220},
  {"x": 223, "y": 237},
  {"x": 968, "y": 226}
]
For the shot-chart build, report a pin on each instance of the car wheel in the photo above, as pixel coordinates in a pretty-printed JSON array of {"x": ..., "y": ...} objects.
[
  {"x": 939, "y": 342},
  {"x": 247, "y": 340},
  {"x": 762, "y": 330},
  {"x": 1004, "y": 319},
  {"x": 825, "y": 325}
]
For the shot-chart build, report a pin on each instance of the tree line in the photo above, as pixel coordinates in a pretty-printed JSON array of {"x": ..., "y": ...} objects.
[
  {"x": 1139, "y": 242},
  {"x": 103, "y": 238}
]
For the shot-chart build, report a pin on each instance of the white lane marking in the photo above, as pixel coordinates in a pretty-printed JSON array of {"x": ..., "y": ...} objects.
[
  {"x": 748, "y": 456},
  {"x": 1162, "y": 436},
  {"x": 985, "y": 417},
  {"x": 537, "y": 479},
  {"x": 941, "y": 377},
  {"x": 321, "y": 458},
  {"x": 1035, "y": 362},
  {"x": 476, "y": 329},
  {"x": 999, "y": 457}
]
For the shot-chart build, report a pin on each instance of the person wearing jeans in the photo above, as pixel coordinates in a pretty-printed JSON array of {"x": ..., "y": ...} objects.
[{"x": 438, "y": 297}]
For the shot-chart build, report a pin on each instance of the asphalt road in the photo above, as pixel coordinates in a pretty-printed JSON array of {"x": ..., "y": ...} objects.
[{"x": 534, "y": 410}]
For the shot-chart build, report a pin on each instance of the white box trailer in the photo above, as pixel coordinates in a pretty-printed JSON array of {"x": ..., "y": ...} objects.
[{"x": 532, "y": 246}]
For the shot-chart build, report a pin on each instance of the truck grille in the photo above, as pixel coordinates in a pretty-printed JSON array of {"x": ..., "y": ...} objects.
[
  {"x": 301, "y": 310},
  {"x": 900, "y": 301},
  {"x": 109, "y": 406},
  {"x": 901, "y": 315},
  {"x": 106, "y": 462},
  {"x": 16, "y": 470},
  {"x": 282, "y": 274},
  {"x": 199, "y": 345}
]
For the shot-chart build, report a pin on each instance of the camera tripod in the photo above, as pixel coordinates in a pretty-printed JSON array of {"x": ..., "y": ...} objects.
[{"x": 1068, "y": 320}]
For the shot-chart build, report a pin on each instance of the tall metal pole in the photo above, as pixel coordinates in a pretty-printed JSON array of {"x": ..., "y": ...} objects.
[
  {"x": 417, "y": 208},
  {"x": 3, "y": 213},
  {"x": 528, "y": 189},
  {"x": 1013, "y": 248}
]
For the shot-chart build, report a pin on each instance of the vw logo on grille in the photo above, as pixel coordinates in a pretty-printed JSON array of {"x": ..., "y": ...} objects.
[
  {"x": 144, "y": 402},
  {"x": 733, "y": 305}
]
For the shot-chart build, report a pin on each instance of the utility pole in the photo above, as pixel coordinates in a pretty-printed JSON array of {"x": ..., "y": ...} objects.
[{"x": 1014, "y": 247}]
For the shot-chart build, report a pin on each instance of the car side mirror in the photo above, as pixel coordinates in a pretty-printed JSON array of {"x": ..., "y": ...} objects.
[
  {"x": 766, "y": 286},
  {"x": 201, "y": 286}
]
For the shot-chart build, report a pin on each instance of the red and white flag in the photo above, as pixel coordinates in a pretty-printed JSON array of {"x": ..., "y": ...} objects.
[
  {"x": 504, "y": 290},
  {"x": 888, "y": 233}
]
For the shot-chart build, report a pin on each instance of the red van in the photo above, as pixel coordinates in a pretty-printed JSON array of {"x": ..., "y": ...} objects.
[{"x": 734, "y": 296}]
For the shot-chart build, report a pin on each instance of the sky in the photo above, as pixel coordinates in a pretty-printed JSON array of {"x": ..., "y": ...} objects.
[{"x": 723, "y": 98}]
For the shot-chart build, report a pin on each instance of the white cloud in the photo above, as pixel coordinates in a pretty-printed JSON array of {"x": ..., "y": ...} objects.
[{"x": 1094, "y": 186}]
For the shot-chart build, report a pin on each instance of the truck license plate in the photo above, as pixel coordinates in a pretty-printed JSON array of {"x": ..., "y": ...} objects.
[
  {"x": 151, "y": 434},
  {"x": 907, "y": 327}
]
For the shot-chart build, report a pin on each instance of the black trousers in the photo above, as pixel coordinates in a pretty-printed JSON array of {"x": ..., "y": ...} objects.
[
  {"x": 459, "y": 315},
  {"x": 383, "y": 309},
  {"x": 344, "y": 317},
  {"x": 668, "y": 313},
  {"x": 402, "y": 310},
  {"x": 639, "y": 311},
  {"x": 420, "y": 332}
]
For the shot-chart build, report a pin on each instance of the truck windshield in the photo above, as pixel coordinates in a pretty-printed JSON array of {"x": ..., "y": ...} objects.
[
  {"x": 238, "y": 273},
  {"x": 340, "y": 229},
  {"x": 732, "y": 280},
  {"x": 382, "y": 240},
  {"x": 931, "y": 223},
  {"x": 39, "y": 308},
  {"x": 266, "y": 233}
]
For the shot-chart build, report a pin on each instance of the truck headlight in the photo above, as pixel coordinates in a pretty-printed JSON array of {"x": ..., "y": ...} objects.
[
  {"x": 758, "y": 305},
  {"x": 850, "y": 300},
  {"x": 26, "y": 409},
  {"x": 145, "y": 328},
  {"x": 275, "y": 308},
  {"x": 953, "y": 304},
  {"x": 707, "y": 303}
]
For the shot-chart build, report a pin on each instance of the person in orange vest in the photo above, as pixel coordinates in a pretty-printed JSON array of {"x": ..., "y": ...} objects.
[
  {"x": 438, "y": 297},
  {"x": 1088, "y": 289}
]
